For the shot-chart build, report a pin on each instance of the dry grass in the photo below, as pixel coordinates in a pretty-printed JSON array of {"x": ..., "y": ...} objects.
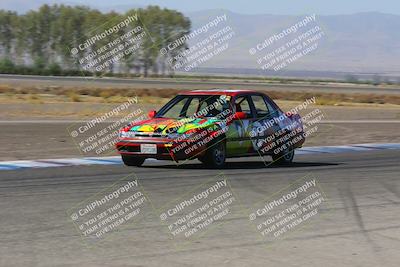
[
  {"x": 74, "y": 97},
  {"x": 336, "y": 98},
  {"x": 160, "y": 96}
]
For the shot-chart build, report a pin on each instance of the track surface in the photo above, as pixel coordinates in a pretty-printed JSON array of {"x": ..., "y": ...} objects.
[
  {"x": 19, "y": 140},
  {"x": 361, "y": 226}
]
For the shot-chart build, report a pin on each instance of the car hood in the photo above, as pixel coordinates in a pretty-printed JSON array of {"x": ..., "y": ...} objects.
[{"x": 167, "y": 126}]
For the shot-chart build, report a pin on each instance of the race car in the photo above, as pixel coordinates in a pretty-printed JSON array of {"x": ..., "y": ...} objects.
[{"x": 211, "y": 126}]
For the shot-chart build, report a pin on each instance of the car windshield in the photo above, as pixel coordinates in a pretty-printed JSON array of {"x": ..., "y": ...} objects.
[{"x": 186, "y": 106}]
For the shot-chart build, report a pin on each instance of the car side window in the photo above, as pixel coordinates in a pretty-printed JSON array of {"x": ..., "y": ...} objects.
[
  {"x": 242, "y": 105},
  {"x": 262, "y": 110},
  {"x": 272, "y": 110}
]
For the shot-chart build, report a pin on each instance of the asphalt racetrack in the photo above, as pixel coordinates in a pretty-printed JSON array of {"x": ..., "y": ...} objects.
[{"x": 358, "y": 226}]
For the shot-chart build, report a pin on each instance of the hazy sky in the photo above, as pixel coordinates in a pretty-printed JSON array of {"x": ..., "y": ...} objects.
[{"x": 324, "y": 7}]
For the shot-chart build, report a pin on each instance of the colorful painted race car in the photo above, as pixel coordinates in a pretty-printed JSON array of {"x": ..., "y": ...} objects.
[{"x": 212, "y": 125}]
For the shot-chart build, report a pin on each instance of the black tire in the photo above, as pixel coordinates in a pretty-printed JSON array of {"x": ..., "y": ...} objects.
[
  {"x": 285, "y": 157},
  {"x": 132, "y": 160},
  {"x": 201, "y": 159},
  {"x": 215, "y": 155}
]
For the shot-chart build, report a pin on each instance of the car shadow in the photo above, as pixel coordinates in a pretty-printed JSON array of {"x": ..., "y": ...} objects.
[{"x": 244, "y": 165}]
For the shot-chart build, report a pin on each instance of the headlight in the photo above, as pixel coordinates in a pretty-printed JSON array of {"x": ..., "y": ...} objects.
[
  {"x": 126, "y": 134},
  {"x": 173, "y": 135}
]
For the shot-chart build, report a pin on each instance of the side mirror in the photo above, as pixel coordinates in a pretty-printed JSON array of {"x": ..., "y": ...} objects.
[
  {"x": 152, "y": 114},
  {"x": 239, "y": 116}
]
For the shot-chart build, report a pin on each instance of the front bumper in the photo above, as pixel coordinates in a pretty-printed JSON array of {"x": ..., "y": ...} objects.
[{"x": 167, "y": 149}]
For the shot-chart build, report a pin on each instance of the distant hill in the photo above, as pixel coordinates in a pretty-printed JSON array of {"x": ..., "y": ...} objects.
[{"x": 364, "y": 42}]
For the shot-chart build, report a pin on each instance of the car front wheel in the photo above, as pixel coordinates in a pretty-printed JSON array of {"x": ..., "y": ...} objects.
[
  {"x": 215, "y": 155},
  {"x": 132, "y": 160}
]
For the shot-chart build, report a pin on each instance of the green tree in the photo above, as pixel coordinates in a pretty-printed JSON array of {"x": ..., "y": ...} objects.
[
  {"x": 7, "y": 36},
  {"x": 47, "y": 36}
]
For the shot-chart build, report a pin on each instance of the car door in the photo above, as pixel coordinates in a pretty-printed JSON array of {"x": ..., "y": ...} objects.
[
  {"x": 265, "y": 125},
  {"x": 238, "y": 136}
]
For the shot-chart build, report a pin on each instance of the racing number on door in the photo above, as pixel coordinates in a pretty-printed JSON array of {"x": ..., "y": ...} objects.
[{"x": 239, "y": 141}]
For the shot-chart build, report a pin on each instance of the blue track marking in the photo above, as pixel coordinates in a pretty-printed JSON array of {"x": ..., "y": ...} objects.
[{"x": 114, "y": 160}]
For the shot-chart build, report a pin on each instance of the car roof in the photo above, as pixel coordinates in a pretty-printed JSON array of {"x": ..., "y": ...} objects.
[{"x": 230, "y": 92}]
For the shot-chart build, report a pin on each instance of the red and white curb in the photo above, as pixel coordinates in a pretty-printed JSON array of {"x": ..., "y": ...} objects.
[{"x": 47, "y": 163}]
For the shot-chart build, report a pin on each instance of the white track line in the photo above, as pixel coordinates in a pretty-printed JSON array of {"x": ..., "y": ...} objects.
[
  {"x": 111, "y": 121},
  {"x": 47, "y": 163}
]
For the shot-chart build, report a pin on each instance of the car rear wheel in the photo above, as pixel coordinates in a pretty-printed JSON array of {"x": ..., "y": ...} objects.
[
  {"x": 285, "y": 157},
  {"x": 215, "y": 155},
  {"x": 132, "y": 160}
]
